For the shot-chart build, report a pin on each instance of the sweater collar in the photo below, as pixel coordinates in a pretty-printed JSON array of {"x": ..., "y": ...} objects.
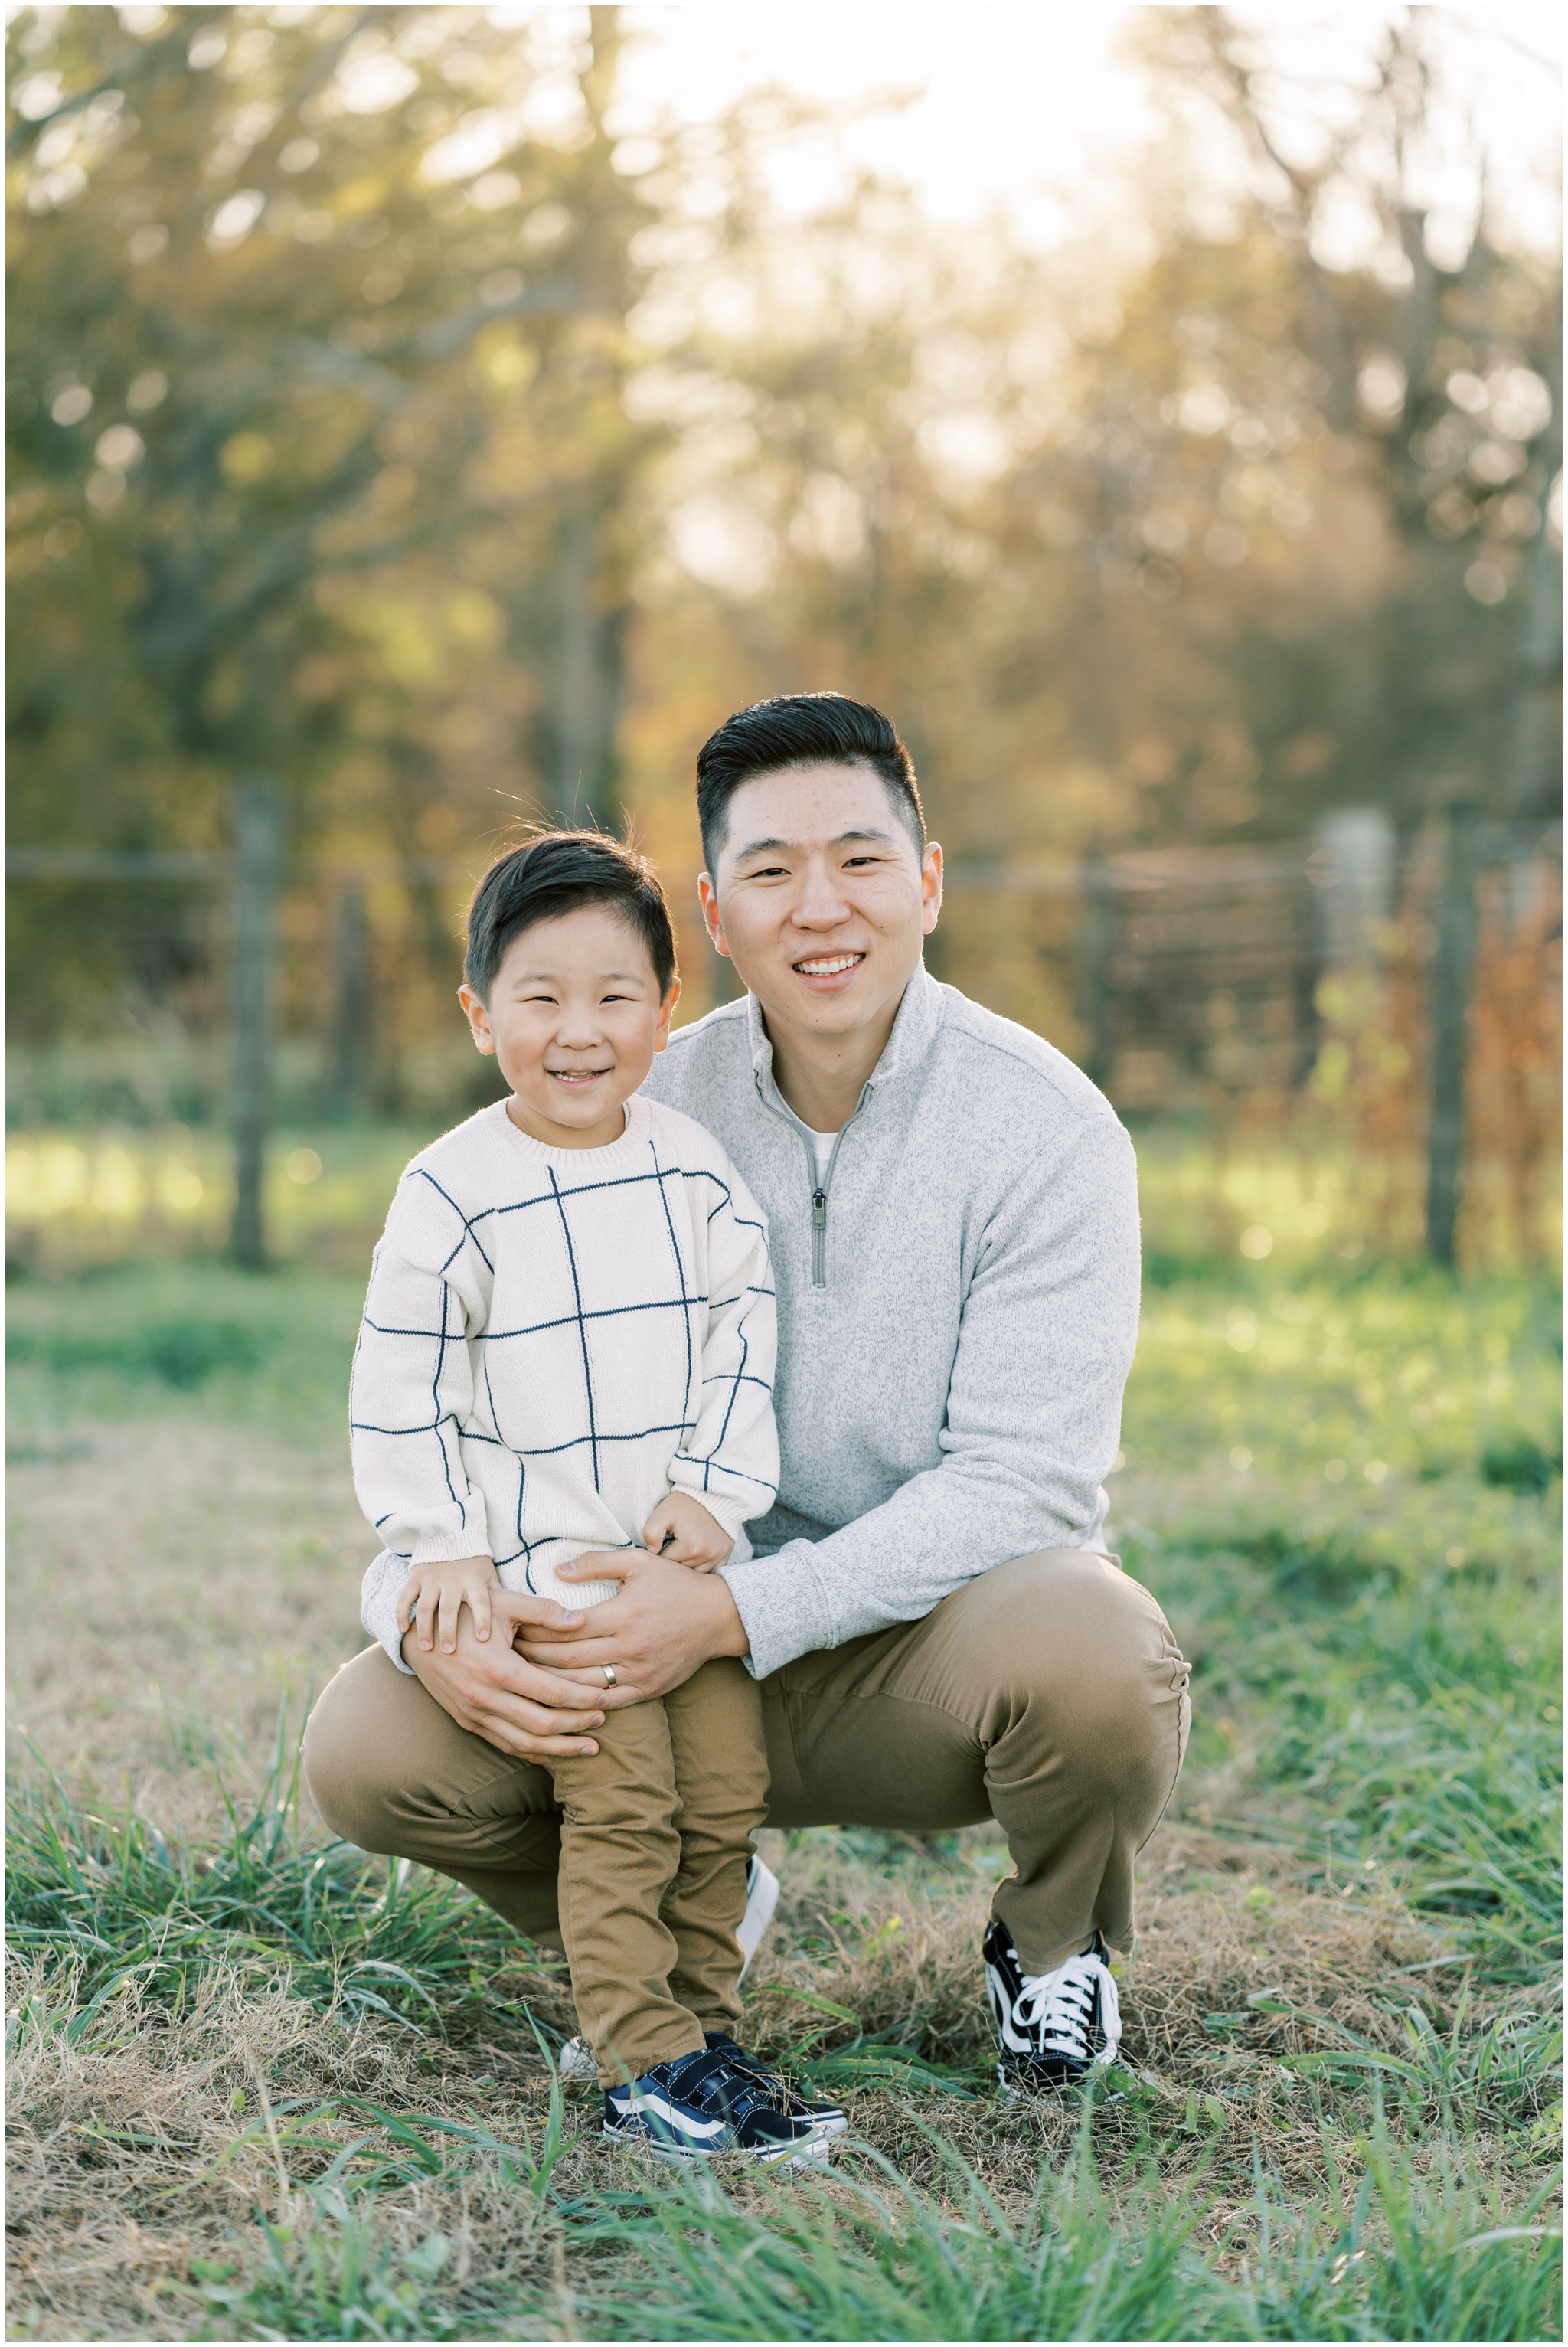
[
  {"x": 914, "y": 1032},
  {"x": 629, "y": 1145}
]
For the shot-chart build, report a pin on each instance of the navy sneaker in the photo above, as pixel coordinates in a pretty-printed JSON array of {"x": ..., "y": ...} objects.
[
  {"x": 1054, "y": 2027},
  {"x": 825, "y": 2115},
  {"x": 702, "y": 2103}
]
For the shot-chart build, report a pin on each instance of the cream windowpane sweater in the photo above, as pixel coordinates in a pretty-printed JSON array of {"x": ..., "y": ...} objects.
[{"x": 552, "y": 1339}]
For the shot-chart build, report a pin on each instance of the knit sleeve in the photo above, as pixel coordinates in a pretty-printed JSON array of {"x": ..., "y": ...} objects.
[
  {"x": 412, "y": 1391},
  {"x": 729, "y": 1459}
]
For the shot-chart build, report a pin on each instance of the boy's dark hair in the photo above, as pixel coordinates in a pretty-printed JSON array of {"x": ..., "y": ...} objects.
[
  {"x": 557, "y": 871},
  {"x": 801, "y": 729}
]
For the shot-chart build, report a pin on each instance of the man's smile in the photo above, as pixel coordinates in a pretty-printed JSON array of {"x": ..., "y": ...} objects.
[{"x": 830, "y": 965}]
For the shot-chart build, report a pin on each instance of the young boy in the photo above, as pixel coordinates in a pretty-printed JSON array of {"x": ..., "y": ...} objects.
[{"x": 569, "y": 1345}]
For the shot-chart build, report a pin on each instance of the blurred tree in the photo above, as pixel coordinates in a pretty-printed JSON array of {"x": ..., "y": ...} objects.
[
  {"x": 397, "y": 405},
  {"x": 1432, "y": 356},
  {"x": 318, "y": 455}
]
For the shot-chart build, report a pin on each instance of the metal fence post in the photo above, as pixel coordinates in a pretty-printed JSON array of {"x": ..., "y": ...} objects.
[
  {"x": 1452, "y": 967},
  {"x": 258, "y": 869}
]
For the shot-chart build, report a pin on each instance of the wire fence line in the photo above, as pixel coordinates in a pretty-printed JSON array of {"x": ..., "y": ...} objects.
[{"x": 1195, "y": 974}]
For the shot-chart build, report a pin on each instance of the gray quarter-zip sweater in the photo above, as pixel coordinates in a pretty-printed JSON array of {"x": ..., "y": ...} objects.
[{"x": 958, "y": 1307}]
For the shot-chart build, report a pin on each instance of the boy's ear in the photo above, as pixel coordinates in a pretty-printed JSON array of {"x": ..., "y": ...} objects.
[
  {"x": 478, "y": 1019},
  {"x": 666, "y": 1010}
]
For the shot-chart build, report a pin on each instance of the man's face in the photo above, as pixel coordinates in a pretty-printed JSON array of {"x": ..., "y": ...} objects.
[{"x": 821, "y": 898}]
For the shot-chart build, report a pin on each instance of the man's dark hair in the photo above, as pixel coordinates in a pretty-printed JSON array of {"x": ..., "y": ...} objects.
[
  {"x": 801, "y": 729},
  {"x": 557, "y": 872}
]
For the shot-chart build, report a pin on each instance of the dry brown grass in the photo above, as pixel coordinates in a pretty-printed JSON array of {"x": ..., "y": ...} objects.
[
  {"x": 169, "y": 1587},
  {"x": 138, "y": 2154}
]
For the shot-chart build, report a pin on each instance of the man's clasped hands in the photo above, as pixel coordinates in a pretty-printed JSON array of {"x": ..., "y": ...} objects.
[{"x": 680, "y": 1532}]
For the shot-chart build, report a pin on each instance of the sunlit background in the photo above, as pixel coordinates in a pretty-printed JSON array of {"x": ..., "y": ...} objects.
[
  {"x": 431, "y": 419},
  {"x": 425, "y": 420}
]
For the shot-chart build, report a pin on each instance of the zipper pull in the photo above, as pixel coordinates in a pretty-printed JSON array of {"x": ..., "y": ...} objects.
[{"x": 819, "y": 1210}]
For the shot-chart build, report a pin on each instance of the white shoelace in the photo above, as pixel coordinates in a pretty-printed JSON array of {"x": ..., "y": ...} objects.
[{"x": 1060, "y": 2006}]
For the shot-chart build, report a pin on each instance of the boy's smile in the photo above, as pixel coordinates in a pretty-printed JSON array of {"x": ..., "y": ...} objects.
[{"x": 574, "y": 1020}]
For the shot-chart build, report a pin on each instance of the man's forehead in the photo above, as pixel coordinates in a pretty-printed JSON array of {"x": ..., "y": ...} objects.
[{"x": 802, "y": 807}]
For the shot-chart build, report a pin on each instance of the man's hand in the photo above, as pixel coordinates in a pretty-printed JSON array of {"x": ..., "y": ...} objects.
[
  {"x": 681, "y": 1529},
  {"x": 434, "y": 1595},
  {"x": 493, "y": 1691},
  {"x": 666, "y": 1623}
]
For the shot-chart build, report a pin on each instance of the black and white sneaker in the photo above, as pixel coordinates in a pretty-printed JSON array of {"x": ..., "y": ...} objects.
[
  {"x": 708, "y": 2102},
  {"x": 1055, "y": 2027},
  {"x": 825, "y": 2115},
  {"x": 576, "y": 2060}
]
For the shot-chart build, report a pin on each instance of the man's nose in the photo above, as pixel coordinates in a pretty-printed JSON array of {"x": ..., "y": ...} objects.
[{"x": 823, "y": 904}]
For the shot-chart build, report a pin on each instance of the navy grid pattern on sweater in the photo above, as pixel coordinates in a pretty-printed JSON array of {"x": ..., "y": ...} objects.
[{"x": 535, "y": 1368}]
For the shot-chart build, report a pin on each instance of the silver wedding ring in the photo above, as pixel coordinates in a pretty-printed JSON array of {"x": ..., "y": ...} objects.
[{"x": 609, "y": 1670}]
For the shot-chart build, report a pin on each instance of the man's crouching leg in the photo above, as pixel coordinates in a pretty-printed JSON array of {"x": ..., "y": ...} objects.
[
  {"x": 1047, "y": 1693},
  {"x": 1084, "y": 1724},
  {"x": 389, "y": 1770}
]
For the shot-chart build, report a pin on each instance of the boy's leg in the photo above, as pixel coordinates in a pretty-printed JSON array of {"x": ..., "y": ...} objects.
[
  {"x": 620, "y": 1851},
  {"x": 715, "y": 1724}
]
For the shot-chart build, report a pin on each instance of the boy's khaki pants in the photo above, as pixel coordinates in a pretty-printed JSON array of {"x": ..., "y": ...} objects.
[
  {"x": 1047, "y": 1694},
  {"x": 655, "y": 1833}
]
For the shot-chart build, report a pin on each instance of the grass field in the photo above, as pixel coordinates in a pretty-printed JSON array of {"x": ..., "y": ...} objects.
[{"x": 259, "y": 2089}]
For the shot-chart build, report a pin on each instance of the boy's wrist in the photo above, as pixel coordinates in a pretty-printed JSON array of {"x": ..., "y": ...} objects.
[{"x": 449, "y": 1548}]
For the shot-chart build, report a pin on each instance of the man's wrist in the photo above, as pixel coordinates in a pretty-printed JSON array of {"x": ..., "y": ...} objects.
[{"x": 730, "y": 1630}]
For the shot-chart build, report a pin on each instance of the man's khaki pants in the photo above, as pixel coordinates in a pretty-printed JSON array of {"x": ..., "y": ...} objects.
[{"x": 1047, "y": 1694}]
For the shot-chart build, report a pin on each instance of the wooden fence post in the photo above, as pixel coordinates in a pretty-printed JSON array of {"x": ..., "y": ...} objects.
[
  {"x": 353, "y": 1040},
  {"x": 1092, "y": 953},
  {"x": 258, "y": 869},
  {"x": 1451, "y": 971}
]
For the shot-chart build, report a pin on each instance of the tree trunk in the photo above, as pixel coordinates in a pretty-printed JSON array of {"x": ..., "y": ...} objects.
[{"x": 258, "y": 869}]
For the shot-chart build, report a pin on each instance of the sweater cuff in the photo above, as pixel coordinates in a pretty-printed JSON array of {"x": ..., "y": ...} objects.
[
  {"x": 378, "y": 1606},
  {"x": 451, "y": 1548},
  {"x": 783, "y": 1606}
]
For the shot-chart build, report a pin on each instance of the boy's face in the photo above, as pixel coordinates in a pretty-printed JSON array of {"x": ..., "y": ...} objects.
[{"x": 574, "y": 1020}]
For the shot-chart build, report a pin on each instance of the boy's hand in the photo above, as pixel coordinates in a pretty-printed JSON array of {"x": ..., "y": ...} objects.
[
  {"x": 681, "y": 1529},
  {"x": 438, "y": 1592}
]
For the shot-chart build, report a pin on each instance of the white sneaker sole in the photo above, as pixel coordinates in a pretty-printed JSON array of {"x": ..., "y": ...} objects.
[{"x": 816, "y": 2148}]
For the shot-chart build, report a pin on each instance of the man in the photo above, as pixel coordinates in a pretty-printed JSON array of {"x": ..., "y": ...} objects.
[{"x": 953, "y": 1216}]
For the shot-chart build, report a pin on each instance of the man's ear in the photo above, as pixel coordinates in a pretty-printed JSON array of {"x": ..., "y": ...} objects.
[
  {"x": 661, "y": 1032},
  {"x": 478, "y": 1019},
  {"x": 932, "y": 885},
  {"x": 708, "y": 897}
]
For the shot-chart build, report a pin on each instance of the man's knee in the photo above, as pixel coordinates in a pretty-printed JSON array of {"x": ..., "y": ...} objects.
[
  {"x": 350, "y": 1752},
  {"x": 1067, "y": 1630}
]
